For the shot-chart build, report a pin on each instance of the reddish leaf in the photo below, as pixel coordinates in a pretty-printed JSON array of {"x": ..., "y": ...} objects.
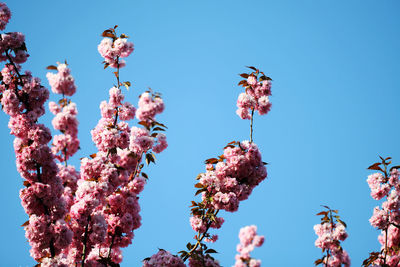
[
  {"x": 200, "y": 191},
  {"x": 51, "y": 67},
  {"x": 251, "y": 67},
  {"x": 243, "y": 83},
  {"x": 211, "y": 161},
  {"x": 158, "y": 129},
  {"x": 319, "y": 261},
  {"x": 375, "y": 166},
  {"x": 199, "y": 185}
]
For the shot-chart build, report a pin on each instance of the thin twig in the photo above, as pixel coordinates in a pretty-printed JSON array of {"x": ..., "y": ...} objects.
[{"x": 251, "y": 125}]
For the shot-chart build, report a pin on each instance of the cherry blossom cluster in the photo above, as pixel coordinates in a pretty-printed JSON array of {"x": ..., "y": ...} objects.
[
  {"x": 66, "y": 144},
  {"x": 105, "y": 211},
  {"x": 203, "y": 261},
  {"x": 256, "y": 96},
  {"x": 113, "y": 48},
  {"x": 232, "y": 177},
  {"x": 61, "y": 82},
  {"x": 248, "y": 241},
  {"x": 12, "y": 47},
  {"x": 5, "y": 15},
  {"x": 23, "y": 98},
  {"x": 75, "y": 217},
  {"x": 163, "y": 258},
  {"x": 331, "y": 231},
  {"x": 149, "y": 105},
  {"x": 228, "y": 179},
  {"x": 386, "y": 184}
]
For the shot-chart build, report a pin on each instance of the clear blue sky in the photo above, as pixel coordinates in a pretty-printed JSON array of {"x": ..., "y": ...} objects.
[{"x": 335, "y": 66}]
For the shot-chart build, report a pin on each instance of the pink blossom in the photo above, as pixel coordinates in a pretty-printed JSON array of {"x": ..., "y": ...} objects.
[
  {"x": 149, "y": 107},
  {"x": 62, "y": 82},
  {"x": 5, "y": 15},
  {"x": 248, "y": 241},
  {"x": 206, "y": 261},
  {"x": 116, "y": 97},
  {"x": 161, "y": 143},
  {"x": 163, "y": 259},
  {"x": 197, "y": 224},
  {"x": 255, "y": 98},
  {"x": 112, "y": 51}
]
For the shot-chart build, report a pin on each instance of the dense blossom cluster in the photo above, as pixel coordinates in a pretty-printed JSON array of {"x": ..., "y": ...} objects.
[
  {"x": 233, "y": 179},
  {"x": 12, "y": 46},
  {"x": 23, "y": 98},
  {"x": 5, "y": 16},
  {"x": 113, "y": 48},
  {"x": 386, "y": 184},
  {"x": 62, "y": 82},
  {"x": 205, "y": 261},
  {"x": 248, "y": 241},
  {"x": 86, "y": 217},
  {"x": 256, "y": 96},
  {"x": 163, "y": 259},
  {"x": 76, "y": 217},
  {"x": 66, "y": 144},
  {"x": 228, "y": 179},
  {"x": 105, "y": 210},
  {"x": 149, "y": 106},
  {"x": 331, "y": 231}
]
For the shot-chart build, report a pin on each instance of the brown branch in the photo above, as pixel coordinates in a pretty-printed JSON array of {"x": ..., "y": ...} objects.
[
  {"x": 84, "y": 242},
  {"x": 251, "y": 125},
  {"x": 199, "y": 239}
]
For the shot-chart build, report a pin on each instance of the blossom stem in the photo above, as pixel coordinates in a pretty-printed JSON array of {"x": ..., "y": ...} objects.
[
  {"x": 84, "y": 242},
  {"x": 65, "y": 156},
  {"x": 199, "y": 239},
  {"x": 133, "y": 174},
  {"x": 112, "y": 243},
  {"x": 251, "y": 126},
  {"x": 20, "y": 80}
]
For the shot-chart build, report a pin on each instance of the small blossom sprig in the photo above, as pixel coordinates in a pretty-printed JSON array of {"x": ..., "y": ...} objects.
[
  {"x": 385, "y": 184},
  {"x": 248, "y": 241},
  {"x": 331, "y": 231},
  {"x": 66, "y": 144},
  {"x": 232, "y": 176},
  {"x": 114, "y": 47},
  {"x": 256, "y": 96}
]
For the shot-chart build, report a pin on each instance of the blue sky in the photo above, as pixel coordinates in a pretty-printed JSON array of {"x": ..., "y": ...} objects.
[{"x": 335, "y": 109}]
